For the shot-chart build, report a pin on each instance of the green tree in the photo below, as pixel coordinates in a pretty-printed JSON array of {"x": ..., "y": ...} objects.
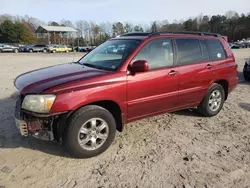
[
  {"x": 25, "y": 34},
  {"x": 190, "y": 25},
  {"x": 8, "y": 32},
  {"x": 154, "y": 27},
  {"x": 138, "y": 28},
  {"x": 128, "y": 28},
  {"x": 118, "y": 29},
  {"x": 52, "y": 23}
]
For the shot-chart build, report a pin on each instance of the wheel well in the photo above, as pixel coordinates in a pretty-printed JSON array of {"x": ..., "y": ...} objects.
[
  {"x": 224, "y": 84},
  {"x": 114, "y": 109}
]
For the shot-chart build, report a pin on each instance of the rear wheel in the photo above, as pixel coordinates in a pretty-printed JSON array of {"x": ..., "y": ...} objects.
[
  {"x": 30, "y": 50},
  {"x": 44, "y": 50},
  {"x": 54, "y": 51},
  {"x": 90, "y": 132},
  {"x": 213, "y": 101}
]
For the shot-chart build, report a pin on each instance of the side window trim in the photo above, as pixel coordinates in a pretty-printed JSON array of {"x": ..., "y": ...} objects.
[
  {"x": 175, "y": 52},
  {"x": 209, "y": 58}
]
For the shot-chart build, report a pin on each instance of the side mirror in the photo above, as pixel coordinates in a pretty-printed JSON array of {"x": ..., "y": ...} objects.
[{"x": 139, "y": 66}]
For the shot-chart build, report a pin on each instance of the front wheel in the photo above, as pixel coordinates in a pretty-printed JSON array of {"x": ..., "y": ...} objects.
[
  {"x": 91, "y": 130},
  {"x": 213, "y": 101}
]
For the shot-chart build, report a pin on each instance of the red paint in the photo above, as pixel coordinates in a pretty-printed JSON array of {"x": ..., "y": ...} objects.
[{"x": 139, "y": 95}]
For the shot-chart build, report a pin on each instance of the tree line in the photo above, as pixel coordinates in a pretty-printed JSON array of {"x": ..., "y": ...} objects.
[{"x": 16, "y": 29}]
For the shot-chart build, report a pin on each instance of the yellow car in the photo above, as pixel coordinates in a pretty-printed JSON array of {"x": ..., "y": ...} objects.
[{"x": 59, "y": 48}]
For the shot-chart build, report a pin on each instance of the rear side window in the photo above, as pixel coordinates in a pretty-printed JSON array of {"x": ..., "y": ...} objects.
[
  {"x": 189, "y": 51},
  {"x": 216, "y": 50},
  {"x": 205, "y": 54}
]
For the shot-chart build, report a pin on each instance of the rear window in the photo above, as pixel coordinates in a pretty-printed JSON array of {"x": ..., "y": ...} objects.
[
  {"x": 216, "y": 50},
  {"x": 189, "y": 51}
]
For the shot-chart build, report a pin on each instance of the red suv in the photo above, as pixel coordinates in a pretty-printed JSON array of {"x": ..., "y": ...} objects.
[{"x": 126, "y": 78}]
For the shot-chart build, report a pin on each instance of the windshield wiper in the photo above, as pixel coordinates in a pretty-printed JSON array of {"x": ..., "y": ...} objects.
[
  {"x": 89, "y": 65},
  {"x": 93, "y": 66}
]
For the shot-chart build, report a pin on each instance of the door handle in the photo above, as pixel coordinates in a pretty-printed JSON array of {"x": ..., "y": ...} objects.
[
  {"x": 172, "y": 73},
  {"x": 208, "y": 66}
]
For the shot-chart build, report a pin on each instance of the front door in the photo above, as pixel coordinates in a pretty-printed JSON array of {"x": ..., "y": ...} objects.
[{"x": 155, "y": 91}]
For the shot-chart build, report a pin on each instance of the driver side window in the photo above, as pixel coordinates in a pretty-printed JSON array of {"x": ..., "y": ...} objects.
[{"x": 158, "y": 53}]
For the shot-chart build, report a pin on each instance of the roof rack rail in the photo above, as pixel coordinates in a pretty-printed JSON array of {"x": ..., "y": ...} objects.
[
  {"x": 134, "y": 34},
  {"x": 185, "y": 32},
  {"x": 150, "y": 34}
]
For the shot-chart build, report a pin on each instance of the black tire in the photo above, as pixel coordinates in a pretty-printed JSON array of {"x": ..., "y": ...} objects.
[
  {"x": 204, "y": 109},
  {"x": 75, "y": 123}
]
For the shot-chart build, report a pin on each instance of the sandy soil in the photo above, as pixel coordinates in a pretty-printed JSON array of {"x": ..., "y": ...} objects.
[{"x": 179, "y": 149}]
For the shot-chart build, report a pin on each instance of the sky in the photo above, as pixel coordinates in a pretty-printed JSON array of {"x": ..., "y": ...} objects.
[{"x": 135, "y": 11}]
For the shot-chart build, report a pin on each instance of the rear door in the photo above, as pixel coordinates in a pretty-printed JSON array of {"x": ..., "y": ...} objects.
[{"x": 196, "y": 71}]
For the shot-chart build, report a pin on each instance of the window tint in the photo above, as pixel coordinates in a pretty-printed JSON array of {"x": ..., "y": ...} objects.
[
  {"x": 216, "y": 51},
  {"x": 188, "y": 51},
  {"x": 205, "y": 55},
  {"x": 158, "y": 53}
]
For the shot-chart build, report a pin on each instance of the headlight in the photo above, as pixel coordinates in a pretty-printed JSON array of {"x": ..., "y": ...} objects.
[{"x": 38, "y": 103}]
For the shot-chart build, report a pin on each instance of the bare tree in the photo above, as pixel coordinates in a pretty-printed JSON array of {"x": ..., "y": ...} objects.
[
  {"x": 106, "y": 28},
  {"x": 86, "y": 31},
  {"x": 80, "y": 27},
  {"x": 67, "y": 23},
  {"x": 231, "y": 14}
]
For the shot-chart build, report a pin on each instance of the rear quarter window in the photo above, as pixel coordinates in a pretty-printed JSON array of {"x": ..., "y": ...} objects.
[{"x": 216, "y": 50}]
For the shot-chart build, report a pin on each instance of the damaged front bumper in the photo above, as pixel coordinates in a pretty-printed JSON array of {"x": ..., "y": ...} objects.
[
  {"x": 20, "y": 123},
  {"x": 41, "y": 126}
]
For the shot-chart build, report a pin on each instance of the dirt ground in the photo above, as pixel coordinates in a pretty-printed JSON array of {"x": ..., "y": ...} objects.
[{"x": 178, "y": 149}]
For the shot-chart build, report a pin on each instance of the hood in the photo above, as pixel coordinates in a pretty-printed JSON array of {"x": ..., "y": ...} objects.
[{"x": 42, "y": 79}]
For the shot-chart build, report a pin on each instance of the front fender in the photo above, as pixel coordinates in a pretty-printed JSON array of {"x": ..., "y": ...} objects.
[{"x": 71, "y": 101}]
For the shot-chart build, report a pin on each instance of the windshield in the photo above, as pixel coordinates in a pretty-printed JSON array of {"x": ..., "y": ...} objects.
[{"x": 109, "y": 55}]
